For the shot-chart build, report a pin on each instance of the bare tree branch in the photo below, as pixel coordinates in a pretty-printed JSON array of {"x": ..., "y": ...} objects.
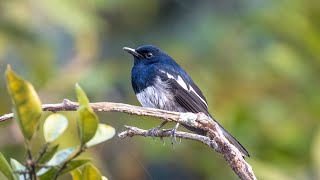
[
  {"x": 216, "y": 139},
  {"x": 134, "y": 131}
]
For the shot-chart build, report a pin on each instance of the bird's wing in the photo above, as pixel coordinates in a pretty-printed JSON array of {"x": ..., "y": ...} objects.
[{"x": 188, "y": 95}]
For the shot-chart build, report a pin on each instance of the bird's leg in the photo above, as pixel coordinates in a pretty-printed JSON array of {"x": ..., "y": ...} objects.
[
  {"x": 173, "y": 133},
  {"x": 152, "y": 131}
]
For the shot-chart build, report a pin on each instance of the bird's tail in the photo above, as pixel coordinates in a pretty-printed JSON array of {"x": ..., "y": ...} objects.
[
  {"x": 230, "y": 138},
  {"x": 234, "y": 141}
]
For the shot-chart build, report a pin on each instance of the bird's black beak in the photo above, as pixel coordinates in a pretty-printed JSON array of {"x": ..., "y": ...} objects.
[{"x": 133, "y": 52}]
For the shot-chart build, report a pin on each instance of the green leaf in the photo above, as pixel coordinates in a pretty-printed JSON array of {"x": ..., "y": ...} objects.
[
  {"x": 50, "y": 173},
  {"x": 103, "y": 133},
  {"x": 57, "y": 159},
  {"x": 88, "y": 121},
  {"x": 18, "y": 167},
  {"x": 49, "y": 154},
  {"x": 87, "y": 124},
  {"x": 75, "y": 164},
  {"x": 82, "y": 97},
  {"x": 46, "y": 173},
  {"x": 26, "y": 103},
  {"x": 5, "y": 168},
  {"x": 61, "y": 156},
  {"x": 54, "y": 126},
  {"x": 90, "y": 172},
  {"x": 76, "y": 174}
]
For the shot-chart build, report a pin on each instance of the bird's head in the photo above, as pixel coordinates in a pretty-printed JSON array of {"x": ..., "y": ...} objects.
[{"x": 147, "y": 54}]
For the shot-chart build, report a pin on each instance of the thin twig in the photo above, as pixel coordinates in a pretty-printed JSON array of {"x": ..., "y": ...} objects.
[
  {"x": 23, "y": 173},
  {"x": 42, "y": 152},
  {"x": 231, "y": 154},
  {"x": 134, "y": 131},
  {"x": 6, "y": 117},
  {"x": 30, "y": 163},
  {"x": 65, "y": 163}
]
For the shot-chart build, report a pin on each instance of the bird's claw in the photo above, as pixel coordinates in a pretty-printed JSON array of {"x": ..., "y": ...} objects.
[
  {"x": 162, "y": 140},
  {"x": 151, "y": 132},
  {"x": 173, "y": 134}
]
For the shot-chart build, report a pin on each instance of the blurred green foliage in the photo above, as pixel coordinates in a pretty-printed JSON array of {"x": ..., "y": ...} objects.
[
  {"x": 257, "y": 62},
  {"x": 48, "y": 163}
]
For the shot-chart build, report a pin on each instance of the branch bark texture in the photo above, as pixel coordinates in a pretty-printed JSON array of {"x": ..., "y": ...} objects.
[{"x": 214, "y": 140}]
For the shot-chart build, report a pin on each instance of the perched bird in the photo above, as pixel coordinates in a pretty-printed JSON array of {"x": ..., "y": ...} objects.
[{"x": 159, "y": 82}]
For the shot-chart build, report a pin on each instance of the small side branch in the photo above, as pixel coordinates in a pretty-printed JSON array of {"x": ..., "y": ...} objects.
[
  {"x": 215, "y": 139},
  {"x": 134, "y": 131}
]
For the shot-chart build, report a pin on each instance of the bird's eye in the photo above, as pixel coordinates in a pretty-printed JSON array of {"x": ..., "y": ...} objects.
[{"x": 149, "y": 55}]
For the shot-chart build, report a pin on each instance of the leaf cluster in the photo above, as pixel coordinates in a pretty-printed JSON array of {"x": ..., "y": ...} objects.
[{"x": 51, "y": 162}]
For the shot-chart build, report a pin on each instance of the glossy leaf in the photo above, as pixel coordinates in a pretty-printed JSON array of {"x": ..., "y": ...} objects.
[
  {"x": 54, "y": 126},
  {"x": 18, "y": 167},
  {"x": 87, "y": 124},
  {"x": 82, "y": 97},
  {"x": 61, "y": 156},
  {"x": 75, "y": 164},
  {"x": 57, "y": 159},
  {"x": 88, "y": 121},
  {"x": 76, "y": 174},
  {"x": 90, "y": 172},
  {"x": 71, "y": 166},
  {"x": 5, "y": 168},
  {"x": 26, "y": 103},
  {"x": 103, "y": 133}
]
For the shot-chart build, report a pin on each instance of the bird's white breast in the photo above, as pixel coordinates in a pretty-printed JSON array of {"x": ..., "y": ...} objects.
[{"x": 159, "y": 96}]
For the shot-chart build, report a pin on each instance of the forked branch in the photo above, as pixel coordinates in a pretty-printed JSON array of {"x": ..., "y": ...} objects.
[{"x": 215, "y": 139}]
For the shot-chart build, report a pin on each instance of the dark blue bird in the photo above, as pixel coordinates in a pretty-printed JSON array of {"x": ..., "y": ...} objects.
[{"x": 159, "y": 82}]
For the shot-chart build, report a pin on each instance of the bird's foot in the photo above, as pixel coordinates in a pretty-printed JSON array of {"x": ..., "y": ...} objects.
[
  {"x": 151, "y": 132},
  {"x": 173, "y": 134}
]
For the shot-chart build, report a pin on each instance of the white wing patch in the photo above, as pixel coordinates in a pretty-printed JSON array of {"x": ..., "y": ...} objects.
[
  {"x": 169, "y": 75},
  {"x": 184, "y": 85},
  {"x": 179, "y": 80},
  {"x": 191, "y": 89}
]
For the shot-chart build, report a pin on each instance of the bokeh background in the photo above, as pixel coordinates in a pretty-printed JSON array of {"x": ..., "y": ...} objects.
[{"x": 257, "y": 62}]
